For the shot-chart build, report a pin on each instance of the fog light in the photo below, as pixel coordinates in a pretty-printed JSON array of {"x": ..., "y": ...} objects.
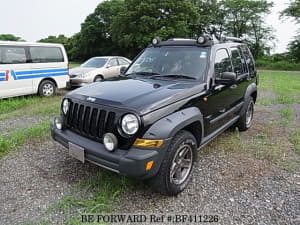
[
  {"x": 58, "y": 123},
  {"x": 110, "y": 141}
]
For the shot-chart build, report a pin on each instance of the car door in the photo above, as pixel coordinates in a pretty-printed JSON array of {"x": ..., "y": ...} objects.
[
  {"x": 112, "y": 68},
  {"x": 217, "y": 99},
  {"x": 240, "y": 68}
]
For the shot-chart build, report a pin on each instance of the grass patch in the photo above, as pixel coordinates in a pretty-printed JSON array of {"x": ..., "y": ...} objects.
[
  {"x": 102, "y": 190},
  {"x": 29, "y": 106},
  {"x": 74, "y": 64},
  {"x": 286, "y": 85},
  {"x": 287, "y": 115},
  {"x": 295, "y": 140},
  {"x": 12, "y": 141}
]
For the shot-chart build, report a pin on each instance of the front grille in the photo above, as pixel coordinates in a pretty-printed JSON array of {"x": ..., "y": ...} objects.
[{"x": 90, "y": 121}]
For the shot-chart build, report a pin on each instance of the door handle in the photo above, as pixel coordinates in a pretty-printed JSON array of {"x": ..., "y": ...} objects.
[{"x": 234, "y": 86}]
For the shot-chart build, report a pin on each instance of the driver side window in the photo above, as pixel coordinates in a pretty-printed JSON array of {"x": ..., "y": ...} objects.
[{"x": 222, "y": 63}]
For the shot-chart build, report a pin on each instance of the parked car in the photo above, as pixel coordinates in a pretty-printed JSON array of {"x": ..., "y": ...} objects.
[
  {"x": 32, "y": 68},
  {"x": 173, "y": 99},
  {"x": 96, "y": 69}
]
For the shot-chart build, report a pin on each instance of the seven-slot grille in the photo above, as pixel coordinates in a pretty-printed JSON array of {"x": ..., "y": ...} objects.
[{"x": 90, "y": 121}]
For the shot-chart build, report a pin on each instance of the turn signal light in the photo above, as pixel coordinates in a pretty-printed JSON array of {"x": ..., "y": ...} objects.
[
  {"x": 149, "y": 165},
  {"x": 148, "y": 143}
]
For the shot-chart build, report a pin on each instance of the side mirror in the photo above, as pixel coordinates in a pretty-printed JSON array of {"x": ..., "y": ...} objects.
[
  {"x": 108, "y": 66},
  {"x": 123, "y": 70},
  {"x": 226, "y": 78}
]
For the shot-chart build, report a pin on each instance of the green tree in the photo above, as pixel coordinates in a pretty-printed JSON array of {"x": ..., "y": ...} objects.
[
  {"x": 10, "y": 37},
  {"x": 139, "y": 21},
  {"x": 94, "y": 37},
  {"x": 293, "y": 11}
]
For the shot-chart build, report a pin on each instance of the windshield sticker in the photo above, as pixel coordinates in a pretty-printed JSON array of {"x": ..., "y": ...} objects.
[{"x": 203, "y": 55}]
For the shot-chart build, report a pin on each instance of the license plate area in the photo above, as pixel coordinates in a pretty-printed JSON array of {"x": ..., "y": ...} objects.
[{"x": 76, "y": 152}]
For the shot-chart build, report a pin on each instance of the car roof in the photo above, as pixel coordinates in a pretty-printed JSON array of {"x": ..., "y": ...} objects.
[{"x": 21, "y": 43}]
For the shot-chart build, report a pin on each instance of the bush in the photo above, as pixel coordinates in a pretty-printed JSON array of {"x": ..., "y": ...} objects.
[{"x": 277, "y": 65}]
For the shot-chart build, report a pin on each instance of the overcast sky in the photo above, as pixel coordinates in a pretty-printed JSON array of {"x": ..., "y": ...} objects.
[{"x": 36, "y": 19}]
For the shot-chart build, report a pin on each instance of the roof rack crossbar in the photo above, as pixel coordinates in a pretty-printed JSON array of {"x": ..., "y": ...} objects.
[{"x": 233, "y": 39}]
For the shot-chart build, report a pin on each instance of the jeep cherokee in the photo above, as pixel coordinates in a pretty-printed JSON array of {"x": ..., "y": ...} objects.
[{"x": 174, "y": 98}]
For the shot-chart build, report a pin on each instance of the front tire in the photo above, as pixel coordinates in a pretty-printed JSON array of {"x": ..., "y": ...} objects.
[
  {"x": 47, "y": 88},
  {"x": 98, "y": 78},
  {"x": 176, "y": 168},
  {"x": 245, "y": 121}
]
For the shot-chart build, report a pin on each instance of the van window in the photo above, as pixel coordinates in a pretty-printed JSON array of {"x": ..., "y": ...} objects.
[
  {"x": 46, "y": 54},
  {"x": 12, "y": 55}
]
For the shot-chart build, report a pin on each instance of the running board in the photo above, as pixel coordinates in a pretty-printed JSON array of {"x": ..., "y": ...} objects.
[{"x": 213, "y": 135}]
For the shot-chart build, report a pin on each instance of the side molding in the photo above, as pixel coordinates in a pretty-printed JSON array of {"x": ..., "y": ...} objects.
[{"x": 168, "y": 126}]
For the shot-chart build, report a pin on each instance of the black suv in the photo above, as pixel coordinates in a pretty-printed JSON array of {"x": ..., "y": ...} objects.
[{"x": 174, "y": 98}]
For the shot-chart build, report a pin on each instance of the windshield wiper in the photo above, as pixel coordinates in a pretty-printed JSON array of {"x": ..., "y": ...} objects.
[
  {"x": 175, "y": 76},
  {"x": 143, "y": 73}
]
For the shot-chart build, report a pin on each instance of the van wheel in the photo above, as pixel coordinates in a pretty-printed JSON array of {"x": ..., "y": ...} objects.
[
  {"x": 176, "y": 168},
  {"x": 245, "y": 121},
  {"x": 47, "y": 88},
  {"x": 98, "y": 78}
]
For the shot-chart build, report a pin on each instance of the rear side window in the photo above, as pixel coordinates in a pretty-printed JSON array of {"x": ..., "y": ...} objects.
[
  {"x": 222, "y": 63},
  {"x": 123, "y": 61},
  {"x": 249, "y": 59},
  {"x": 12, "y": 55},
  {"x": 239, "y": 65},
  {"x": 113, "y": 62},
  {"x": 46, "y": 54}
]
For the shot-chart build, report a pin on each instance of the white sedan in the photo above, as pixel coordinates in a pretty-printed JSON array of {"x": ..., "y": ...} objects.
[{"x": 96, "y": 69}]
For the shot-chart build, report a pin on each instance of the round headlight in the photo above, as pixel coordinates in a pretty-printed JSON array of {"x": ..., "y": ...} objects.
[
  {"x": 65, "y": 106},
  {"x": 130, "y": 124},
  {"x": 110, "y": 141}
]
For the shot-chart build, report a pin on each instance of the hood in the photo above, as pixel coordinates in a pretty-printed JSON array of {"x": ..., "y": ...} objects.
[
  {"x": 80, "y": 70},
  {"x": 140, "y": 95}
]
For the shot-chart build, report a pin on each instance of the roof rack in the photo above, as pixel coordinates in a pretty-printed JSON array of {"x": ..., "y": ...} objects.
[{"x": 233, "y": 39}]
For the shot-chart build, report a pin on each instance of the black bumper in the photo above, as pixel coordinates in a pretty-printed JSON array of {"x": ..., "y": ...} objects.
[{"x": 130, "y": 162}]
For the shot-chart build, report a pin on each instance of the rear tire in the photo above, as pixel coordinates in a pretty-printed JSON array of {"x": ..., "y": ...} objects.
[
  {"x": 47, "y": 88},
  {"x": 176, "y": 168},
  {"x": 245, "y": 121}
]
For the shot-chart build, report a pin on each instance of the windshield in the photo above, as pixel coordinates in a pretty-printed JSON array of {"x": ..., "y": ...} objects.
[
  {"x": 168, "y": 61},
  {"x": 95, "y": 62}
]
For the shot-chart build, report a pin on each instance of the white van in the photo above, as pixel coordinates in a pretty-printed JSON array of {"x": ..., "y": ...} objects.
[{"x": 29, "y": 68}]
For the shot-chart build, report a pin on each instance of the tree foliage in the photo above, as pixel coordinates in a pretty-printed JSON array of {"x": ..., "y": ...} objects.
[
  {"x": 124, "y": 27},
  {"x": 9, "y": 37},
  {"x": 293, "y": 10}
]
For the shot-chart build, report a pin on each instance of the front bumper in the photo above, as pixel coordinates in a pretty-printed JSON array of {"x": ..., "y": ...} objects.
[
  {"x": 76, "y": 82},
  {"x": 130, "y": 162}
]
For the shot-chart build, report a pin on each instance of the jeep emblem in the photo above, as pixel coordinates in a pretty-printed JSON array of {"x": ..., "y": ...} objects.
[{"x": 91, "y": 99}]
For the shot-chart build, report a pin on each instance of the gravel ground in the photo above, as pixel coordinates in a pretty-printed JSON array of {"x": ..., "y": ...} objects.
[
  {"x": 237, "y": 188},
  {"x": 34, "y": 178},
  {"x": 10, "y": 125}
]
